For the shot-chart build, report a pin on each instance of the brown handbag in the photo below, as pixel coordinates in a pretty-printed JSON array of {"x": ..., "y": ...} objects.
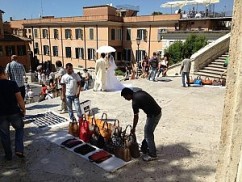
[
  {"x": 105, "y": 131},
  {"x": 134, "y": 147},
  {"x": 73, "y": 129},
  {"x": 207, "y": 81},
  {"x": 116, "y": 128},
  {"x": 123, "y": 152}
]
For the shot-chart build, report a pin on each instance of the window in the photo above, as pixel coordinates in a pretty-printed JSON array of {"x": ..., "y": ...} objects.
[
  {"x": 91, "y": 54},
  {"x": 128, "y": 34},
  {"x": 1, "y": 50},
  {"x": 112, "y": 34},
  {"x": 79, "y": 53},
  {"x": 91, "y": 34},
  {"x": 161, "y": 31},
  {"x": 141, "y": 33},
  {"x": 127, "y": 55},
  {"x": 21, "y": 50},
  {"x": 46, "y": 49},
  {"x": 68, "y": 52},
  {"x": 10, "y": 50},
  {"x": 45, "y": 33},
  {"x": 36, "y": 48},
  {"x": 56, "y": 34},
  {"x": 140, "y": 55},
  {"x": 68, "y": 33},
  {"x": 119, "y": 34},
  {"x": 35, "y": 33},
  {"x": 29, "y": 30},
  {"x": 55, "y": 50},
  {"x": 79, "y": 34},
  {"x": 119, "y": 56}
]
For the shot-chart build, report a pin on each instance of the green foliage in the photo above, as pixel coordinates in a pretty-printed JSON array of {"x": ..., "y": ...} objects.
[
  {"x": 157, "y": 13},
  {"x": 179, "y": 50},
  {"x": 119, "y": 72}
]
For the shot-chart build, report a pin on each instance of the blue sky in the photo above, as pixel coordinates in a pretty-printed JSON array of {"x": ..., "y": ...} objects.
[{"x": 19, "y": 9}]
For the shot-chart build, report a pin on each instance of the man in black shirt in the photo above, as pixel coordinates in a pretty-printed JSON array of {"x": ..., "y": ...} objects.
[
  {"x": 154, "y": 63},
  {"x": 142, "y": 100},
  {"x": 12, "y": 109}
]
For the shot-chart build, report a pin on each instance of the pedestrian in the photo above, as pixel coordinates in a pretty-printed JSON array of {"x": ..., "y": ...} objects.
[
  {"x": 16, "y": 72},
  {"x": 185, "y": 71},
  {"x": 163, "y": 65},
  {"x": 142, "y": 100},
  {"x": 71, "y": 87},
  {"x": 60, "y": 72},
  {"x": 12, "y": 109},
  {"x": 154, "y": 62},
  {"x": 145, "y": 67},
  {"x": 87, "y": 78}
]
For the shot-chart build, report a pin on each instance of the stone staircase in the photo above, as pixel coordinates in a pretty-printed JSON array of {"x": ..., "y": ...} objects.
[{"x": 215, "y": 69}]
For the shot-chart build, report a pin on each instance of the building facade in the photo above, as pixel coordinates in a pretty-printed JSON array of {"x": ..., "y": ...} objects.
[
  {"x": 76, "y": 39},
  {"x": 13, "y": 44}
]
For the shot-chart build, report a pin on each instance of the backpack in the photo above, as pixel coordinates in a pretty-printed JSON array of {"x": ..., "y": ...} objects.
[{"x": 154, "y": 62}]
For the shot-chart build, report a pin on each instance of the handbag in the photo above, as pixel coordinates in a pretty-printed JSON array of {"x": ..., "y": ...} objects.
[
  {"x": 105, "y": 131},
  {"x": 198, "y": 81},
  {"x": 97, "y": 139},
  {"x": 207, "y": 81},
  {"x": 116, "y": 128},
  {"x": 134, "y": 147},
  {"x": 191, "y": 80},
  {"x": 84, "y": 133},
  {"x": 99, "y": 157},
  {"x": 217, "y": 82},
  {"x": 73, "y": 129},
  {"x": 123, "y": 152}
]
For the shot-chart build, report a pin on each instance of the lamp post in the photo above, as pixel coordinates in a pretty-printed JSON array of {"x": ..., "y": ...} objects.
[
  {"x": 30, "y": 54},
  {"x": 138, "y": 39}
]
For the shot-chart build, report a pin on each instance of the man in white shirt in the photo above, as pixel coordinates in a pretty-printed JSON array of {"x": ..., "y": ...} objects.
[
  {"x": 185, "y": 71},
  {"x": 71, "y": 87}
]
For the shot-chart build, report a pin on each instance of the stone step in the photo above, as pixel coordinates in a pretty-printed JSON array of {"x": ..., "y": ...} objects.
[
  {"x": 215, "y": 69},
  {"x": 215, "y": 66},
  {"x": 211, "y": 72},
  {"x": 210, "y": 75},
  {"x": 219, "y": 60},
  {"x": 222, "y": 58},
  {"x": 217, "y": 63}
]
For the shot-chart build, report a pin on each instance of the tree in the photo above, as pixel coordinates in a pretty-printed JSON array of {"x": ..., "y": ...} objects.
[
  {"x": 179, "y": 50},
  {"x": 157, "y": 13}
]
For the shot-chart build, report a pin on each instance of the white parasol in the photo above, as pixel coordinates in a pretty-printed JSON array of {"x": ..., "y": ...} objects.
[
  {"x": 174, "y": 4},
  {"x": 106, "y": 49}
]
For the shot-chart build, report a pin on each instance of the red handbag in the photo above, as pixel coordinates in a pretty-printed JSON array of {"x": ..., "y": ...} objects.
[{"x": 84, "y": 133}]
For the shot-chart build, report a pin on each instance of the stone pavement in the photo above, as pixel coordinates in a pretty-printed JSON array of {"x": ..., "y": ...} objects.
[{"x": 187, "y": 139}]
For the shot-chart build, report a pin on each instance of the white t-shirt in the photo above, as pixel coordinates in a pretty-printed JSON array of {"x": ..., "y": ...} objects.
[{"x": 71, "y": 83}]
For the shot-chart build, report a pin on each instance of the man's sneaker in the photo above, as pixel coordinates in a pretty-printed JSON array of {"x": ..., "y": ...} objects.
[
  {"x": 149, "y": 158},
  {"x": 60, "y": 109},
  {"x": 63, "y": 112}
]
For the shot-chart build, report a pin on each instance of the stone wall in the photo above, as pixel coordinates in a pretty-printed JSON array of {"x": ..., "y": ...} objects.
[
  {"x": 210, "y": 52},
  {"x": 230, "y": 160}
]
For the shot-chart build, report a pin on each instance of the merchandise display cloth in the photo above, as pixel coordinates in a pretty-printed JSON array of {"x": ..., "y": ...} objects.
[
  {"x": 111, "y": 164},
  {"x": 47, "y": 119}
]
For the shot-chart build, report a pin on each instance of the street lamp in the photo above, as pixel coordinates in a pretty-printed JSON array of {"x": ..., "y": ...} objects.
[
  {"x": 30, "y": 54},
  {"x": 138, "y": 39}
]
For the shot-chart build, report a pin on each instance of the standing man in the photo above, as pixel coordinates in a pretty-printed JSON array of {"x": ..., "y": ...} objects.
[
  {"x": 71, "y": 87},
  {"x": 185, "y": 71},
  {"x": 142, "y": 100},
  {"x": 12, "y": 109},
  {"x": 154, "y": 63},
  {"x": 101, "y": 74},
  {"x": 16, "y": 72},
  {"x": 60, "y": 72}
]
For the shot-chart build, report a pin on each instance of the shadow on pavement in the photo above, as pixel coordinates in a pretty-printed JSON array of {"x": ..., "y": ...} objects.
[{"x": 42, "y": 106}]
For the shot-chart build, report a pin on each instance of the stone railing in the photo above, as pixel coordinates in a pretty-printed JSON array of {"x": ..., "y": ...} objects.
[{"x": 210, "y": 52}]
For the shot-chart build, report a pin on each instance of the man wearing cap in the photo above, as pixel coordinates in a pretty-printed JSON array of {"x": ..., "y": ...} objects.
[{"x": 16, "y": 72}]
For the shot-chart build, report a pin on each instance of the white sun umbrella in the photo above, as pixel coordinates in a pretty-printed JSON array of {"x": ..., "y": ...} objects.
[
  {"x": 173, "y": 4},
  {"x": 106, "y": 49},
  {"x": 207, "y": 2}
]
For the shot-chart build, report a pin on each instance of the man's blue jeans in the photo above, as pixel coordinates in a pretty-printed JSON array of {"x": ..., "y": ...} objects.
[
  {"x": 17, "y": 123},
  {"x": 86, "y": 85},
  {"x": 149, "y": 129},
  {"x": 69, "y": 101},
  {"x": 185, "y": 74},
  {"x": 153, "y": 72}
]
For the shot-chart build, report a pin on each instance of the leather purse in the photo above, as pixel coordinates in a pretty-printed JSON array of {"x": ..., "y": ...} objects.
[
  {"x": 105, "y": 131},
  {"x": 70, "y": 143},
  {"x": 207, "y": 81},
  {"x": 84, "y": 149},
  {"x": 198, "y": 81},
  {"x": 217, "y": 82},
  {"x": 84, "y": 132},
  {"x": 99, "y": 157},
  {"x": 123, "y": 152},
  {"x": 97, "y": 139},
  {"x": 191, "y": 80},
  {"x": 116, "y": 128},
  {"x": 134, "y": 147},
  {"x": 73, "y": 129}
]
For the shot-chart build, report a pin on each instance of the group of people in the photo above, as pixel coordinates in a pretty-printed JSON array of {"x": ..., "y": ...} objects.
[{"x": 153, "y": 67}]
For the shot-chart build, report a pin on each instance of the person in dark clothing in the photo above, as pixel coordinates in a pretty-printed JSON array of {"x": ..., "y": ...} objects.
[
  {"x": 154, "y": 63},
  {"x": 12, "y": 109},
  {"x": 142, "y": 100}
]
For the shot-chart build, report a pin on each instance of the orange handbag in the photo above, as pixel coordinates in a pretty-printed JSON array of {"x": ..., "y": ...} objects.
[
  {"x": 207, "y": 81},
  {"x": 105, "y": 131}
]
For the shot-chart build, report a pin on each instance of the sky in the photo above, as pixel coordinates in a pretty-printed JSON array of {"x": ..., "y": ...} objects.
[{"x": 19, "y": 9}]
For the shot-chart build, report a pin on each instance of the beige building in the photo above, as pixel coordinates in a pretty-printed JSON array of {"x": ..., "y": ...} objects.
[
  {"x": 76, "y": 39},
  {"x": 12, "y": 44}
]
